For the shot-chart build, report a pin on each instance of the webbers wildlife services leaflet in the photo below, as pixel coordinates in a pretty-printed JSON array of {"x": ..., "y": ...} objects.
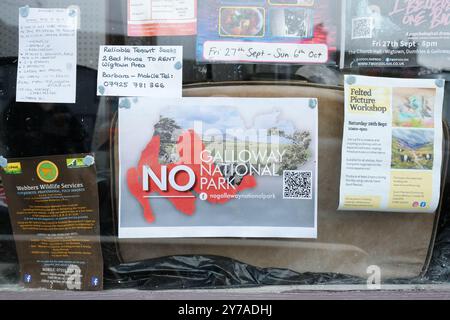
[
  {"x": 53, "y": 206},
  {"x": 392, "y": 144},
  {"x": 249, "y": 170}
]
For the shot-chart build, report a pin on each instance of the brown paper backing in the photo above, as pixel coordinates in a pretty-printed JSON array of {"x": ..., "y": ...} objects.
[{"x": 348, "y": 242}]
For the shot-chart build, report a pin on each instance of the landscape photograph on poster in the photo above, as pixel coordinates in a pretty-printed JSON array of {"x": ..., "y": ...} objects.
[
  {"x": 249, "y": 154},
  {"x": 412, "y": 149},
  {"x": 413, "y": 107}
]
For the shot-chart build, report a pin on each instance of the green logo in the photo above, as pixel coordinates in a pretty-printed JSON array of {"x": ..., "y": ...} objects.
[{"x": 47, "y": 171}]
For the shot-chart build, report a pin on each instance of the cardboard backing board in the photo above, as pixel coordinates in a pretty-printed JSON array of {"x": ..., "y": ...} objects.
[{"x": 348, "y": 242}]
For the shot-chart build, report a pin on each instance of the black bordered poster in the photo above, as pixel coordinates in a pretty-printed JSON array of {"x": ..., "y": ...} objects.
[{"x": 396, "y": 33}]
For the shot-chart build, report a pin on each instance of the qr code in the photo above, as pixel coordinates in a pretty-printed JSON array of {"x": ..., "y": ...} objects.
[
  {"x": 297, "y": 184},
  {"x": 362, "y": 28}
]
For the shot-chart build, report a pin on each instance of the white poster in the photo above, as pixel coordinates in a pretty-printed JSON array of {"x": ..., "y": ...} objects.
[
  {"x": 187, "y": 170},
  {"x": 140, "y": 71},
  {"x": 47, "y": 55},
  {"x": 392, "y": 144}
]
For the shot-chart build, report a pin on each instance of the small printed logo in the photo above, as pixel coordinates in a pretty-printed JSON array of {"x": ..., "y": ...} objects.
[
  {"x": 75, "y": 163},
  {"x": 13, "y": 168},
  {"x": 423, "y": 204},
  {"x": 95, "y": 281},
  {"x": 27, "y": 278},
  {"x": 47, "y": 171},
  {"x": 415, "y": 204}
]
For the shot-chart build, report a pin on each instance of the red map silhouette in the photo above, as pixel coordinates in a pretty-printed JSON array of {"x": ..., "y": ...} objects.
[{"x": 190, "y": 148}]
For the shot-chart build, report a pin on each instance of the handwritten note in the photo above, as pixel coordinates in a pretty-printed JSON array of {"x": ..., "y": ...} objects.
[
  {"x": 140, "y": 71},
  {"x": 47, "y": 55},
  {"x": 265, "y": 52}
]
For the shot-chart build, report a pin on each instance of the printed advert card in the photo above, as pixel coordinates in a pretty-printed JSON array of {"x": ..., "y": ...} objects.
[
  {"x": 149, "y": 18},
  {"x": 47, "y": 67},
  {"x": 249, "y": 170},
  {"x": 396, "y": 33},
  {"x": 53, "y": 205},
  {"x": 392, "y": 145},
  {"x": 267, "y": 31}
]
